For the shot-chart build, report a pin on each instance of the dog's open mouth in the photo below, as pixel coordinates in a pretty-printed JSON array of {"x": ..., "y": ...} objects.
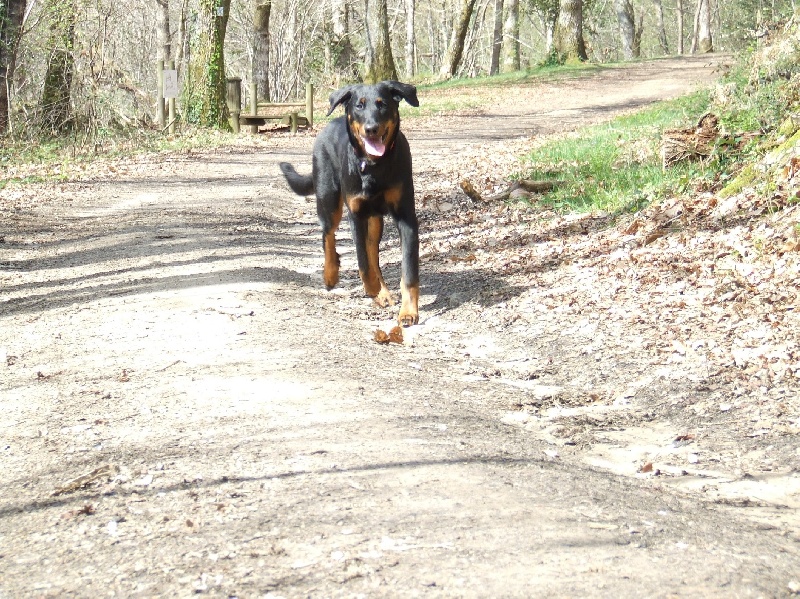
[{"x": 373, "y": 145}]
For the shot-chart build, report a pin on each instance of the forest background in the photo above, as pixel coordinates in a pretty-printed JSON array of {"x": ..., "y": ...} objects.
[{"x": 90, "y": 65}]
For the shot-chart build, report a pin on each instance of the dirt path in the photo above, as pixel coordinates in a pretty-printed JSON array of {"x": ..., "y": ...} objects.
[{"x": 164, "y": 334}]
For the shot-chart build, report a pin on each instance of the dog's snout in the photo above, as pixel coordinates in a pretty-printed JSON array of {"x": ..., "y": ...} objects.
[{"x": 371, "y": 129}]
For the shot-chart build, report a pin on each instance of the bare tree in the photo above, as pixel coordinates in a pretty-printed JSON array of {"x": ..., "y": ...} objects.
[
  {"x": 568, "y": 41},
  {"x": 411, "y": 38},
  {"x": 380, "y": 61},
  {"x": 497, "y": 38},
  {"x": 704, "y": 42},
  {"x": 261, "y": 43},
  {"x": 627, "y": 26},
  {"x": 511, "y": 38},
  {"x": 207, "y": 66},
  {"x": 662, "y": 31},
  {"x": 456, "y": 48},
  {"x": 11, "y": 15},
  {"x": 56, "y": 94},
  {"x": 681, "y": 33},
  {"x": 164, "y": 32}
]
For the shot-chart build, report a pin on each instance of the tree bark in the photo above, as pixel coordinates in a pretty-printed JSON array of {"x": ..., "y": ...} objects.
[
  {"x": 261, "y": 50},
  {"x": 681, "y": 33},
  {"x": 11, "y": 15},
  {"x": 627, "y": 26},
  {"x": 456, "y": 49},
  {"x": 497, "y": 38},
  {"x": 164, "y": 32},
  {"x": 704, "y": 40},
  {"x": 568, "y": 41},
  {"x": 662, "y": 31},
  {"x": 511, "y": 38},
  {"x": 56, "y": 95},
  {"x": 380, "y": 61},
  {"x": 207, "y": 105},
  {"x": 411, "y": 38},
  {"x": 696, "y": 29}
]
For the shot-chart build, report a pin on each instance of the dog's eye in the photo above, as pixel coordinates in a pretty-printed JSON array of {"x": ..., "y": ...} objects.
[{"x": 360, "y": 104}]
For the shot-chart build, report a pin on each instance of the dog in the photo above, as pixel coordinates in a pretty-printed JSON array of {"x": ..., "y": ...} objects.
[{"x": 363, "y": 161}]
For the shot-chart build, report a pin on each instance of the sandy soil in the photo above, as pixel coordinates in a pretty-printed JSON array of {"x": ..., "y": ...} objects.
[{"x": 187, "y": 411}]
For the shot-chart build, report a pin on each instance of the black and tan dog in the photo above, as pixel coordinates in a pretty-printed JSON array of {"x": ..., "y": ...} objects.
[{"x": 362, "y": 161}]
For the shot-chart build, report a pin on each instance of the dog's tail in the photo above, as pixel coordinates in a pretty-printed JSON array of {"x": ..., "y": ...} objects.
[{"x": 301, "y": 184}]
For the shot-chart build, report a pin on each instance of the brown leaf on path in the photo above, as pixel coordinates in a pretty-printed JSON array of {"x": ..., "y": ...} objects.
[
  {"x": 380, "y": 336},
  {"x": 396, "y": 335},
  {"x": 648, "y": 467}
]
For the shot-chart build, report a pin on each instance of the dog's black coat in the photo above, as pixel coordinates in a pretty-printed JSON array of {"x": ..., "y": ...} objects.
[{"x": 362, "y": 160}]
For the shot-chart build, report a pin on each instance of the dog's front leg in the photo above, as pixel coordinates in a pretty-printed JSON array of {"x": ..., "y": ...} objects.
[
  {"x": 409, "y": 283},
  {"x": 367, "y": 233}
]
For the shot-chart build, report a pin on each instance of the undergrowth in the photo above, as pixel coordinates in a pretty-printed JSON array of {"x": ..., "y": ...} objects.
[{"x": 617, "y": 167}]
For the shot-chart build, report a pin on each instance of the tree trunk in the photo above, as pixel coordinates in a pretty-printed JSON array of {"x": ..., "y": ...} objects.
[
  {"x": 511, "y": 38},
  {"x": 627, "y": 26},
  {"x": 207, "y": 105},
  {"x": 11, "y": 14},
  {"x": 497, "y": 38},
  {"x": 681, "y": 33},
  {"x": 55, "y": 103},
  {"x": 261, "y": 50},
  {"x": 704, "y": 41},
  {"x": 696, "y": 30},
  {"x": 456, "y": 49},
  {"x": 164, "y": 33},
  {"x": 662, "y": 31},
  {"x": 411, "y": 38},
  {"x": 380, "y": 62},
  {"x": 568, "y": 41},
  {"x": 343, "y": 48}
]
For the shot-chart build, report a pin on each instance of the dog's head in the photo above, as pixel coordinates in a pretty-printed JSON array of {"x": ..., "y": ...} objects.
[{"x": 372, "y": 113}]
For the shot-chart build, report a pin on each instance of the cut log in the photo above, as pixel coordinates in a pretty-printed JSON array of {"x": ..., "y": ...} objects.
[{"x": 690, "y": 144}]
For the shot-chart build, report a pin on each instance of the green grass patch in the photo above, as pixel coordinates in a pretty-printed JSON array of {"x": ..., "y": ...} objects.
[{"x": 616, "y": 167}]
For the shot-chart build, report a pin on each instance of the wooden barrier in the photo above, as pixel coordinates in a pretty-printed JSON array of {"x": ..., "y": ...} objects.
[{"x": 287, "y": 112}]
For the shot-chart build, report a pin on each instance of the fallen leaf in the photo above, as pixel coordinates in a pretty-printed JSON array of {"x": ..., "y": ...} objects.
[
  {"x": 380, "y": 336},
  {"x": 396, "y": 335},
  {"x": 648, "y": 467}
]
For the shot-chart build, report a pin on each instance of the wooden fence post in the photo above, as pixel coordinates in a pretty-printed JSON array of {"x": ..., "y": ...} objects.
[
  {"x": 233, "y": 97},
  {"x": 171, "y": 102},
  {"x": 310, "y": 104},
  {"x": 160, "y": 116}
]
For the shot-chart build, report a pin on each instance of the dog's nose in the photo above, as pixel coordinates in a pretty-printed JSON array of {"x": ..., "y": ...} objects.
[{"x": 371, "y": 129}]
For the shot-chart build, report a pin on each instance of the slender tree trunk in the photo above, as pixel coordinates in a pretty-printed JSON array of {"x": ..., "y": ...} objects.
[
  {"x": 627, "y": 26},
  {"x": 497, "y": 38},
  {"x": 511, "y": 38},
  {"x": 411, "y": 38},
  {"x": 164, "y": 32},
  {"x": 11, "y": 14},
  {"x": 56, "y": 95},
  {"x": 380, "y": 62},
  {"x": 207, "y": 66},
  {"x": 681, "y": 32},
  {"x": 704, "y": 42},
  {"x": 568, "y": 35},
  {"x": 696, "y": 29},
  {"x": 261, "y": 50},
  {"x": 345, "y": 64},
  {"x": 662, "y": 31},
  {"x": 456, "y": 49}
]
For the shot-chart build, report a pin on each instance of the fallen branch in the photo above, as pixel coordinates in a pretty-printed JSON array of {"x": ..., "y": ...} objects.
[{"x": 526, "y": 184}]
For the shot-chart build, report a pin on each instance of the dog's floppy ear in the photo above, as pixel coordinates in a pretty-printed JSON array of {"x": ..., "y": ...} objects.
[
  {"x": 403, "y": 91},
  {"x": 340, "y": 96}
]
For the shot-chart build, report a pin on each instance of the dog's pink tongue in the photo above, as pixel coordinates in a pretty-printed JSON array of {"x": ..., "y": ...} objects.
[{"x": 374, "y": 148}]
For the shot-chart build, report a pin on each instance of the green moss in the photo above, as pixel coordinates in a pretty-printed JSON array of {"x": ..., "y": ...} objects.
[{"x": 742, "y": 180}]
